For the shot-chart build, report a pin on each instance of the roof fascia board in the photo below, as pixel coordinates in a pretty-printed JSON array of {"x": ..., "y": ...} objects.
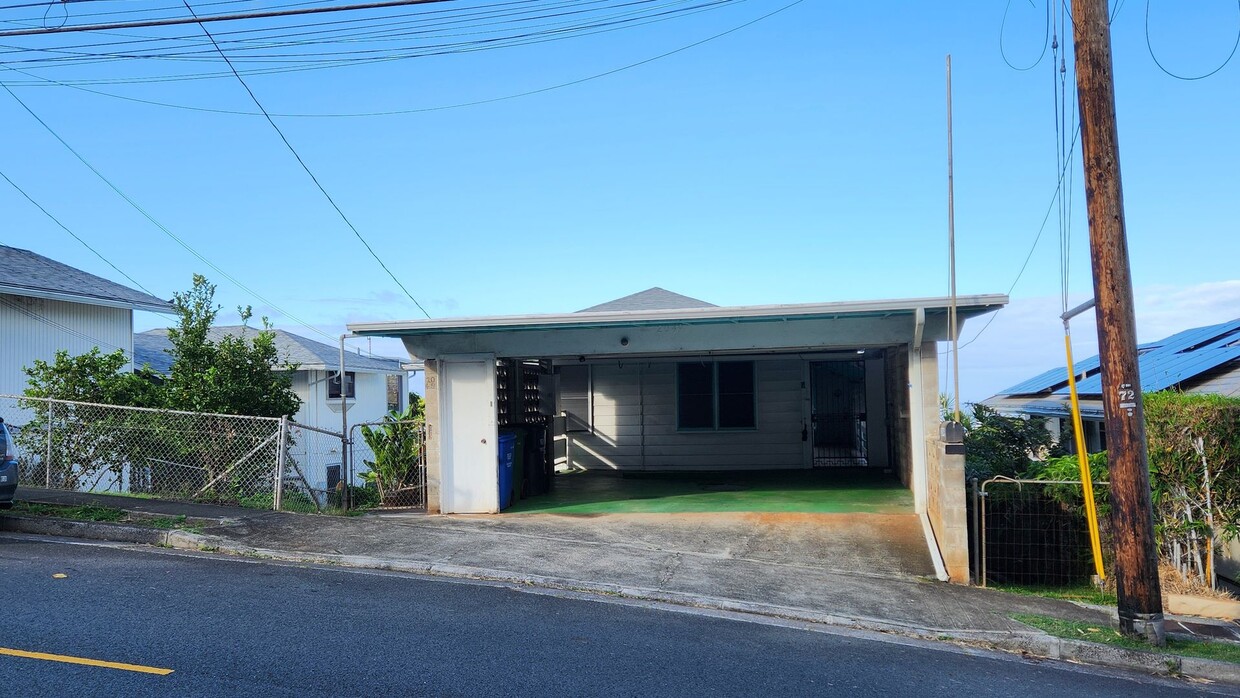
[
  {"x": 969, "y": 306},
  {"x": 84, "y": 299}
]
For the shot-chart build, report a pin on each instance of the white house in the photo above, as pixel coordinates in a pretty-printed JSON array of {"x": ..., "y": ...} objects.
[
  {"x": 373, "y": 385},
  {"x": 659, "y": 381},
  {"x": 46, "y": 306}
]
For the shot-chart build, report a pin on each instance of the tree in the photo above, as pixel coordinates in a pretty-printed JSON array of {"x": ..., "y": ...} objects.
[
  {"x": 234, "y": 374},
  {"x": 1000, "y": 445},
  {"x": 93, "y": 377},
  {"x": 80, "y": 444}
]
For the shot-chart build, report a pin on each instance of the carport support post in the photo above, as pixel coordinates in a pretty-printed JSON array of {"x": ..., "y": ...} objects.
[
  {"x": 432, "y": 475},
  {"x": 1132, "y": 517}
]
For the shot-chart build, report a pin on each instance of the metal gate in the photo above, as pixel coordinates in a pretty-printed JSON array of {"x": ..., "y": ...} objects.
[
  {"x": 837, "y": 413},
  {"x": 387, "y": 464},
  {"x": 1032, "y": 532}
]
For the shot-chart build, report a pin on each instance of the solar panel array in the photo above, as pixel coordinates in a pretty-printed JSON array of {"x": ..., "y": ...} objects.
[{"x": 1163, "y": 364}]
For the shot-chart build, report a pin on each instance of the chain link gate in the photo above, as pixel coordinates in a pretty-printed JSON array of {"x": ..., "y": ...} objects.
[
  {"x": 1033, "y": 532},
  {"x": 387, "y": 464}
]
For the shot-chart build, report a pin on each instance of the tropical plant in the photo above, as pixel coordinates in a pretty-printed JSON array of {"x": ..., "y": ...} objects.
[{"x": 396, "y": 444}]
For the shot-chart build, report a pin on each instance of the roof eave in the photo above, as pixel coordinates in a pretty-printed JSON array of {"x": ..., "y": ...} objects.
[
  {"x": 85, "y": 299},
  {"x": 689, "y": 316}
]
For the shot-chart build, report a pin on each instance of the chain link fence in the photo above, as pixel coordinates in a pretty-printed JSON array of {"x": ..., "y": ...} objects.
[
  {"x": 257, "y": 462},
  {"x": 1033, "y": 532},
  {"x": 388, "y": 464}
]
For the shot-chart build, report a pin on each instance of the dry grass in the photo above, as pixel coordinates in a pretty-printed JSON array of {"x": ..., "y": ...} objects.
[{"x": 1175, "y": 583}]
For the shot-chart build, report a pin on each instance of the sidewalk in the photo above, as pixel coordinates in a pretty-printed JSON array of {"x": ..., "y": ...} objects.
[{"x": 777, "y": 565}]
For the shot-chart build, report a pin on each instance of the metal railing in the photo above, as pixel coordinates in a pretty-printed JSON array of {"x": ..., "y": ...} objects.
[{"x": 1032, "y": 532}]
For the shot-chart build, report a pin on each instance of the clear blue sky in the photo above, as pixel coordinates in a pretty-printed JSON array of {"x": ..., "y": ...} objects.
[{"x": 799, "y": 159}]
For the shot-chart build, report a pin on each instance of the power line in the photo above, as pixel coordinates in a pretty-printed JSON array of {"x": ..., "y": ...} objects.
[
  {"x": 138, "y": 207},
  {"x": 398, "y": 112},
  {"x": 1045, "y": 38},
  {"x": 1037, "y": 238},
  {"x": 73, "y": 234},
  {"x": 1150, "y": 46},
  {"x": 212, "y": 18},
  {"x": 306, "y": 167}
]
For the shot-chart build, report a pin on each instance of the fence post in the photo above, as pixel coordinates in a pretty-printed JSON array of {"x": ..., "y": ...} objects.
[
  {"x": 346, "y": 470},
  {"x": 977, "y": 534},
  {"x": 278, "y": 495},
  {"x": 981, "y": 535},
  {"x": 47, "y": 464}
]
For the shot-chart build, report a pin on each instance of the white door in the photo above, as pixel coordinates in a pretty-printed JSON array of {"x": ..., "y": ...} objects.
[{"x": 470, "y": 475}]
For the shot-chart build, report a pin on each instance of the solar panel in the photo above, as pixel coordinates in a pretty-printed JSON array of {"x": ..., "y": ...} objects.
[{"x": 1178, "y": 358}]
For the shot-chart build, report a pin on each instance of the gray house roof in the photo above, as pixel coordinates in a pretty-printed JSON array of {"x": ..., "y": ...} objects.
[
  {"x": 24, "y": 273},
  {"x": 151, "y": 348},
  {"x": 651, "y": 299}
]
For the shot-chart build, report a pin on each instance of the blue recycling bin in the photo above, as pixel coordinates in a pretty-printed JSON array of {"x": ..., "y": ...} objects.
[{"x": 507, "y": 449}]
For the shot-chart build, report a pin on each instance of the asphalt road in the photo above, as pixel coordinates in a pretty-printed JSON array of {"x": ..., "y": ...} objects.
[{"x": 228, "y": 626}]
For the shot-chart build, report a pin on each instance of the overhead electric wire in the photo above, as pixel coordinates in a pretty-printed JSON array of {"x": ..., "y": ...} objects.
[
  {"x": 398, "y": 112},
  {"x": 74, "y": 235},
  {"x": 173, "y": 21},
  {"x": 1150, "y": 46},
  {"x": 1045, "y": 38},
  {"x": 146, "y": 214},
  {"x": 308, "y": 171},
  {"x": 339, "y": 62},
  {"x": 188, "y": 53},
  {"x": 1059, "y": 188}
]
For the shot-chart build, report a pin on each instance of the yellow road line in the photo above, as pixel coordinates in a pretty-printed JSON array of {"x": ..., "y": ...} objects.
[{"x": 88, "y": 662}]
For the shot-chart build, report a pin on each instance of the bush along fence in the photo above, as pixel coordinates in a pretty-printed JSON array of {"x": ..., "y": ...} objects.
[
  {"x": 1031, "y": 529},
  {"x": 257, "y": 462}
]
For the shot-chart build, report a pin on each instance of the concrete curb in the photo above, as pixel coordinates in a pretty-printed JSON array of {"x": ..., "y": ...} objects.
[{"x": 1032, "y": 643}]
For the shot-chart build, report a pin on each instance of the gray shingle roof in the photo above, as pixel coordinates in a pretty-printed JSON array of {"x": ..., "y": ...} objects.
[
  {"x": 151, "y": 347},
  {"x": 24, "y": 273},
  {"x": 651, "y": 299}
]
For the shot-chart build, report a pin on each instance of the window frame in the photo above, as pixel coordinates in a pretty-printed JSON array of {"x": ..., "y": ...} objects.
[
  {"x": 350, "y": 389},
  {"x": 714, "y": 389}
]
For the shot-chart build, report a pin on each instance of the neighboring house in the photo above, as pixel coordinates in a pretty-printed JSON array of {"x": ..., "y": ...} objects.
[
  {"x": 658, "y": 381},
  {"x": 1200, "y": 360},
  {"x": 46, "y": 306},
  {"x": 373, "y": 386}
]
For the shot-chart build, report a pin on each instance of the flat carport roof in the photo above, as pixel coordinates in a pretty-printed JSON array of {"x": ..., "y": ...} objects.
[{"x": 688, "y": 330}]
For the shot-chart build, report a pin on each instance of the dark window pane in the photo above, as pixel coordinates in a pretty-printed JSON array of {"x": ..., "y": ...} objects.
[
  {"x": 695, "y": 407},
  {"x": 575, "y": 396},
  {"x": 736, "y": 395},
  {"x": 333, "y": 385}
]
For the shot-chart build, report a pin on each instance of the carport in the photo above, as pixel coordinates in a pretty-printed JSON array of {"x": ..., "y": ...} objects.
[{"x": 658, "y": 402}]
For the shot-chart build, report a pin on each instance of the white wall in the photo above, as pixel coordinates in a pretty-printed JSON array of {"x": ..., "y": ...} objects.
[
  {"x": 634, "y": 418},
  {"x": 369, "y": 405},
  {"x": 24, "y": 338}
]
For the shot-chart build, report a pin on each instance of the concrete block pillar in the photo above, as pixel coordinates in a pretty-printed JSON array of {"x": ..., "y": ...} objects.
[
  {"x": 950, "y": 515},
  {"x": 434, "y": 470}
]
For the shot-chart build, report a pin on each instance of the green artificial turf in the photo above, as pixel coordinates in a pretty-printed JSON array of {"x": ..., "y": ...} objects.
[{"x": 809, "y": 491}]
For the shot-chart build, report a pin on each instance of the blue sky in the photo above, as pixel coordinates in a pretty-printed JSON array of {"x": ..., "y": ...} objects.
[{"x": 798, "y": 159}]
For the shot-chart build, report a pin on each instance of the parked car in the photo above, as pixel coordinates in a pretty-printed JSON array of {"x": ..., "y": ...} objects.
[{"x": 8, "y": 467}]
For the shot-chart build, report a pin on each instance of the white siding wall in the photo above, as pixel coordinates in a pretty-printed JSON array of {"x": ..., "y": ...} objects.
[
  {"x": 634, "y": 418},
  {"x": 24, "y": 337},
  {"x": 1222, "y": 384},
  {"x": 370, "y": 404}
]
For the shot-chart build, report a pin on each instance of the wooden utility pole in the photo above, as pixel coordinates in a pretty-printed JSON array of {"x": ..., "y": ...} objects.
[{"x": 1132, "y": 518}]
